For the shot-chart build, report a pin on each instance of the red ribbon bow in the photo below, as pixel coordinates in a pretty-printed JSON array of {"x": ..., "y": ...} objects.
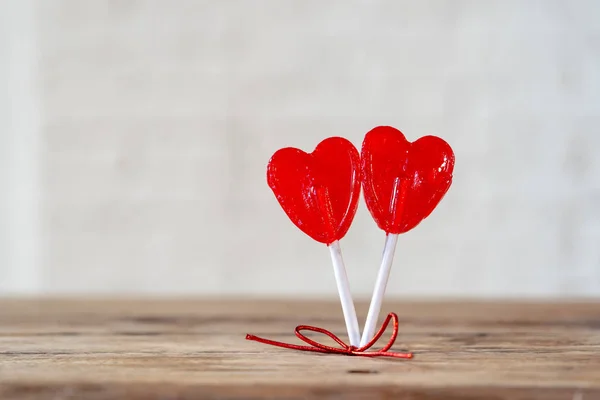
[{"x": 345, "y": 349}]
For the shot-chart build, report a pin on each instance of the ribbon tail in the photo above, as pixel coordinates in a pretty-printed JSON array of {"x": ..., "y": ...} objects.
[{"x": 393, "y": 354}]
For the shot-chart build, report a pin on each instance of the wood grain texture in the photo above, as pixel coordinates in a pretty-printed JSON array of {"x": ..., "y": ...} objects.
[{"x": 195, "y": 349}]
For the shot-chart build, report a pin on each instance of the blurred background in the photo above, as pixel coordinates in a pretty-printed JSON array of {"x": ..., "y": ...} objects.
[{"x": 134, "y": 137}]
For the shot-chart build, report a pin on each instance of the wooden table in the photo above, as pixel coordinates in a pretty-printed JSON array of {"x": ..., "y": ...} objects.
[{"x": 126, "y": 349}]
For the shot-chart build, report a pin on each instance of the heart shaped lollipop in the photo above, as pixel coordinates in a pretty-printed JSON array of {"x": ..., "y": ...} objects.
[
  {"x": 402, "y": 183},
  {"x": 319, "y": 192}
]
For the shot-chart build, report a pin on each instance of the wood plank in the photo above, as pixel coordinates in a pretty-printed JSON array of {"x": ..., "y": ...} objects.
[{"x": 191, "y": 349}]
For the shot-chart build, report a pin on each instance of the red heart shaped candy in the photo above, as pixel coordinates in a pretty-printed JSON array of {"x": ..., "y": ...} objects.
[
  {"x": 318, "y": 191},
  {"x": 402, "y": 181}
]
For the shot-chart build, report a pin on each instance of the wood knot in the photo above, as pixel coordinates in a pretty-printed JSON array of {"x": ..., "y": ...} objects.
[{"x": 362, "y": 371}]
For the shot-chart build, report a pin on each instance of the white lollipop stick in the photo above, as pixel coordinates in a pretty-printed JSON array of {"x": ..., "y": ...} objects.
[
  {"x": 389, "y": 249},
  {"x": 380, "y": 285},
  {"x": 341, "y": 278},
  {"x": 343, "y": 286}
]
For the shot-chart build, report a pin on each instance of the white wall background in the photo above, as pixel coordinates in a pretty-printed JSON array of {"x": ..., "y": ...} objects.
[{"x": 135, "y": 134}]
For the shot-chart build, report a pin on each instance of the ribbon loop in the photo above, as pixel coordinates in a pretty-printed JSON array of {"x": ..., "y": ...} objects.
[
  {"x": 301, "y": 336},
  {"x": 344, "y": 348}
]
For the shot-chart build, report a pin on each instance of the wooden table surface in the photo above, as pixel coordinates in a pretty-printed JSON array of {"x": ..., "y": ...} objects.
[{"x": 135, "y": 349}]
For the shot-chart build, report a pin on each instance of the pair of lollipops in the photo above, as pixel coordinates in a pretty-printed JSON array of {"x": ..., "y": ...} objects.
[{"x": 402, "y": 184}]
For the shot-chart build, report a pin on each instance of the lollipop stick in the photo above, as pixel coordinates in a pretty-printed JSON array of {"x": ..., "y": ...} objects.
[
  {"x": 380, "y": 285},
  {"x": 396, "y": 211},
  {"x": 341, "y": 279}
]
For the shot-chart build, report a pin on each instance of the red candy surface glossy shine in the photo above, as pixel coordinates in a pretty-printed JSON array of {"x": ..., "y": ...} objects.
[
  {"x": 318, "y": 191},
  {"x": 402, "y": 181}
]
